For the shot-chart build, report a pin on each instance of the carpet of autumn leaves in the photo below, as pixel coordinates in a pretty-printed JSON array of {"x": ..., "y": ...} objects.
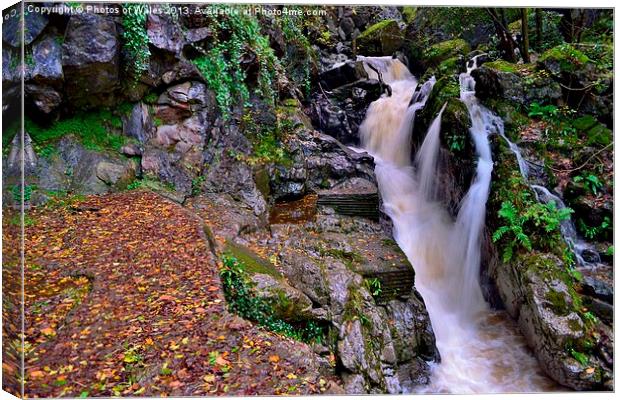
[{"x": 122, "y": 297}]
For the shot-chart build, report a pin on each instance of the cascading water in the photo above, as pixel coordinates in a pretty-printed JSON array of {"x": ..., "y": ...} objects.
[
  {"x": 481, "y": 350},
  {"x": 567, "y": 226}
]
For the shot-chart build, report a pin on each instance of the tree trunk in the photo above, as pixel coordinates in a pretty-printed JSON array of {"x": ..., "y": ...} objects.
[
  {"x": 506, "y": 43},
  {"x": 539, "y": 28},
  {"x": 526, "y": 36}
]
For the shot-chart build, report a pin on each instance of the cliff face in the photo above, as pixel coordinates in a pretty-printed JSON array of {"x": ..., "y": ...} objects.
[{"x": 245, "y": 121}]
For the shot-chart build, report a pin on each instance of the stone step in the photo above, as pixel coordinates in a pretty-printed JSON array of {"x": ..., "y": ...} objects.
[
  {"x": 362, "y": 205},
  {"x": 394, "y": 284}
]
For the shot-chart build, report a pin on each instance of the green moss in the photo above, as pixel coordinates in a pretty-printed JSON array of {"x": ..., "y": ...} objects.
[
  {"x": 382, "y": 38},
  {"x": 409, "y": 13},
  {"x": 568, "y": 57},
  {"x": 349, "y": 258},
  {"x": 599, "y": 135},
  {"x": 557, "y": 301},
  {"x": 96, "y": 130},
  {"x": 505, "y": 66},
  {"x": 585, "y": 123},
  {"x": 451, "y": 66},
  {"x": 376, "y": 28},
  {"x": 439, "y": 52},
  {"x": 252, "y": 262}
]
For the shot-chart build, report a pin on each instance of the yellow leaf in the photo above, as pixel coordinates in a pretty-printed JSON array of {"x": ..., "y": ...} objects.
[
  {"x": 209, "y": 378},
  {"x": 185, "y": 340},
  {"x": 291, "y": 376},
  {"x": 48, "y": 331}
]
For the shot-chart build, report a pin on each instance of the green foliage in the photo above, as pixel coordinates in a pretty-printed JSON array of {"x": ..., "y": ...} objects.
[
  {"x": 374, "y": 286},
  {"x": 93, "y": 129},
  {"x": 236, "y": 38},
  {"x": 151, "y": 98},
  {"x": 596, "y": 232},
  {"x": 590, "y": 181},
  {"x": 16, "y": 193},
  {"x": 580, "y": 357},
  {"x": 135, "y": 39},
  {"x": 300, "y": 56},
  {"x": 610, "y": 251},
  {"x": 243, "y": 301},
  {"x": 546, "y": 112},
  {"x": 568, "y": 57},
  {"x": 197, "y": 185},
  {"x": 536, "y": 219}
]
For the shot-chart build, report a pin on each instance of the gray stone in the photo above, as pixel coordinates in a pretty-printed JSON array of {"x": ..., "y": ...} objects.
[
  {"x": 164, "y": 33},
  {"x": 11, "y": 27},
  {"x": 138, "y": 124},
  {"x": 46, "y": 66},
  {"x": 91, "y": 58}
]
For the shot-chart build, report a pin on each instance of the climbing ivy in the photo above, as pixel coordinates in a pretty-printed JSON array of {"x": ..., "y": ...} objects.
[
  {"x": 135, "y": 39},
  {"x": 243, "y": 301},
  {"x": 237, "y": 38}
]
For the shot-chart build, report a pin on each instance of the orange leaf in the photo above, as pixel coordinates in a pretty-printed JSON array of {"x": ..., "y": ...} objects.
[
  {"x": 274, "y": 358},
  {"x": 48, "y": 331}
]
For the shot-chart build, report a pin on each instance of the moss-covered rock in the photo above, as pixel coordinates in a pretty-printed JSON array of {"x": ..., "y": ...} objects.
[
  {"x": 380, "y": 39},
  {"x": 456, "y": 156},
  {"x": 409, "y": 13},
  {"x": 437, "y": 53},
  {"x": 540, "y": 294},
  {"x": 563, "y": 58},
  {"x": 515, "y": 83}
]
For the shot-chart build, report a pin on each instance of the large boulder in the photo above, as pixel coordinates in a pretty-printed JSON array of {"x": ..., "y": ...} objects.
[
  {"x": 91, "y": 58},
  {"x": 380, "y": 39},
  {"x": 72, "y": 168},
  {"x": 456, "y": 161},
  {"x": 516, "y": 84},
  {"x": 538, "y": 292},
  {"x": 166, "y": 34},
  {"x": 44, "y": 74},
  {"x": 440, "y": 52},
  {"x": 318, "y": 162},
  {"x": 587, "y": 80},
  {"x": 175, "y": 136}
]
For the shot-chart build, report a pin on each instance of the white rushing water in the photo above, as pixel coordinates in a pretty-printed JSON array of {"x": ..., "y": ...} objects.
[{"x": 481, "y": 350}]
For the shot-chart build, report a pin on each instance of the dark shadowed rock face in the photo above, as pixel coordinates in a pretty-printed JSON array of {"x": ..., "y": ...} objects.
[
  {"x": 44, "y": 74},
  {"x": 91, "y": 58},
  {"x": 167, "y": 35},
  {"x": 33, "y": 22}
]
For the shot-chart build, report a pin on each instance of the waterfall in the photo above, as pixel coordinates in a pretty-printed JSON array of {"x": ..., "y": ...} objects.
[
  {"x": 567, "y": 227},
  {"x": 481, "y": 350}
]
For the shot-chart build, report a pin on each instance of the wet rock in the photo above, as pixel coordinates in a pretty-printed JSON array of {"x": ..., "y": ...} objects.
[
  {"x": 164, "y": 33},
  {"x": 34, "y": 24},
  {"x": 288, "y": 303},
  {"x": 319, "y": 162},
  {"x": 535, "y": 294},
  {"x": 350, "y": 71},
  {"x": 91, "y": 58},
  {"x": 380, "y": 39},
  {"x": 341, "y": 112},
  {"x": 78, "y": 170},
  {"x": 506, "y": 81}
]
